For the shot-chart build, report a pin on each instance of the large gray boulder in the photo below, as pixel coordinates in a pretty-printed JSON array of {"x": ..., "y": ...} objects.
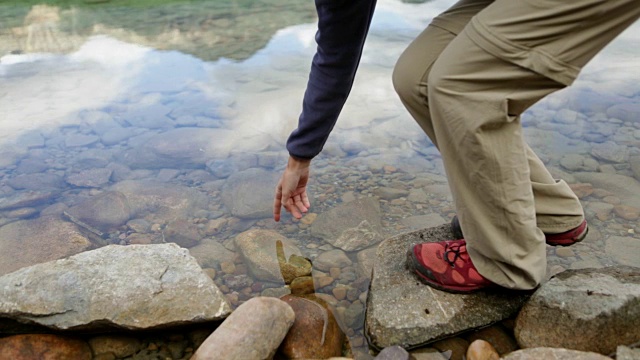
[
  {"x": 29, "y": 242},
  {"x": 351, "y": 226},
  {"x": 553, "y": 353},
  {"x": 589, "y": 310},
  {"x": 403, "y": 311},
  {"x": 131, "y": 287}
]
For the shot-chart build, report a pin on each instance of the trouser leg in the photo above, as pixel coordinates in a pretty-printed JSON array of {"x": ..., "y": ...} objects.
[
  {"x": 511, "y": 54},
  {"x": 557, "y": 207}
]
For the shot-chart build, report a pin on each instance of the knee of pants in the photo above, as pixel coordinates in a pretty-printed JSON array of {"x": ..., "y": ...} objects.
[{"x": 408, "y": 82}]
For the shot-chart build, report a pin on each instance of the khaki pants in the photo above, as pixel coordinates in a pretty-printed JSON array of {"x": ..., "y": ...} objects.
[{"x": 466, "y": 80}]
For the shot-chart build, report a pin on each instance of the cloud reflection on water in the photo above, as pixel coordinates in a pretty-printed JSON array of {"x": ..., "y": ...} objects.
[{"x": 258, "y": 98}]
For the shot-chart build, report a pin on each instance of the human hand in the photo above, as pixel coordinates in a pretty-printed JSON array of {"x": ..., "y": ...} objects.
[{"x": 291, "y": 191}]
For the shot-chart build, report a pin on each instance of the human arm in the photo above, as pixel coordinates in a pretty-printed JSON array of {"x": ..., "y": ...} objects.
[{"x": 342, "y": 29}]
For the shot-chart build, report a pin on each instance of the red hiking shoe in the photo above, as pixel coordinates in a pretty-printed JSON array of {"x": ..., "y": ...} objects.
[
  {"x": 566, "y": 238},
  {"x": 446, "y": 266}
]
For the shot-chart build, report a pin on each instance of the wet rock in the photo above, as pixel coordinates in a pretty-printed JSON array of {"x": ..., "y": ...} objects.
[
  {"x": 120, "y": 346},
  {"x": 601, "y": 210},
  {"x": 28, "y": 242},
  {"x": 429, "y": 354},
  {"x": 624, "y": 111},
  {"x": 149, "y": 114},
  {"x": 24, "y": 199},
  {"x": 253, "y": 331},
  {"x": 393, "y": 353},
  {"x": 363, "y": 215},
  {"x": 37, "y": 182},
  {"x": 575, "y": 162},
  {"x": 553, "y": 353},
  {"x": 625, "y": 187},
  {"x": 258, "y": 250},
  {"x": 31, "y": 166},
  {"x": 295, "y": 267},
  {"x": 603, "y": 303},
  {"x": 610, "y": 151},
  {"x": 456, "y": 346},
  {"x": 482, "y": 350},
  {"x": 90, "y": 178},
  {"x": 249, "y": 194},
  {"x": 362, "y": 236},
  {"x": 79, "y": 140},
  {"x": 634, "y": 161},
  {"x": 106, "y": 211},
  {"x": 150, "y": 286},
  {"x": 623, "y": 250},
  {"x": 388, "y": 193},
  {"x": 165, "y": 201},
  {"x": 495, "y": 335},
  {"x": 354, "y": 315},
  {"x": 315, "y": 334},
  {"x": 44, "y": 347},
  {"x": 22, "y": 213},
  {"x": 210, "y": 253},
  {"x": 179, "y": 148},
  {"x": 303, "y": 285},
  {"x": 627, "y": 212},
  {"x": 331, "y": 259},
  {"x": 182, "y": 232},
  {"x": 626, "y": 353},
  {"x": 424, "y": 221},
  {"x": 366, "y": 258},
  {"x": 403, "y": 311},
  {"x": 582, "y": 190}
]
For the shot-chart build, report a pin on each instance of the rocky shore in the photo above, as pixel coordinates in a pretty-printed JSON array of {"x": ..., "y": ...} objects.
[{"x": 136, "y": 190}]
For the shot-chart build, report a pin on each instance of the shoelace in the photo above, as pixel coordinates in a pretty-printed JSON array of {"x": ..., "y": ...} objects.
[{"x": 457, "y": 249}]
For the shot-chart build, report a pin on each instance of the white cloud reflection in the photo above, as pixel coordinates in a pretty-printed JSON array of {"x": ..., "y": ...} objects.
[{"x": 258, "y": 98}]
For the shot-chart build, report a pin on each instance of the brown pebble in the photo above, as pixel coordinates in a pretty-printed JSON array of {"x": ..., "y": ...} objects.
[
  {"x": 227, "y": 267},
  {"x": 152, "y": 347},
  {"x": 627, "y": 212},
  {"x": 340, "y": 292},
  {"x": 334, "y": 272},
  {"x": 564, "y": 252},
  {"x": 210, "y": 272},
  {"x": 309, "y": 218},
  {"x": 482, "y": 350},
  {"x": 613, "y": 200},
  {"x": 323, "y": 281},
  {"x": 582, "y": 190}
]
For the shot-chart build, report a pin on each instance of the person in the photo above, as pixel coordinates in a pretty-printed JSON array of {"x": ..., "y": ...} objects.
[{"x": 466, "y": 79}]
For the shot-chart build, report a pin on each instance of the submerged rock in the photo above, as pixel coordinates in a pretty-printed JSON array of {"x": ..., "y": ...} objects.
[
  {"x": 106, "y": 211},
  {"x": 130, "y": 287},
  {"x": 553, "y": 353},
  {"x": 589, "y": 310},
  {"x": 403, "y": 311},
  {"x": 258, "y": 249},
  {"x": 253, "y": 331},
  {"x": 28, "y": 242},
  {"x": 43, "y": 346},
  {"x": 166, "y": 201},
  {"x": 248, "y": 194},
  {"x": 351, "y": 226}
]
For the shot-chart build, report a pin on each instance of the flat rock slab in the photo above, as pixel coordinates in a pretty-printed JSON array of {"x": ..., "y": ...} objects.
[
  {"x": 403, "y": 311},
  {"x": 131, "y": 287}
]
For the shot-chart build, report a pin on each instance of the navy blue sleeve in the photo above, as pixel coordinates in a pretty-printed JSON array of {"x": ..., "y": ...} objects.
[{"x": 342, "y": 29}]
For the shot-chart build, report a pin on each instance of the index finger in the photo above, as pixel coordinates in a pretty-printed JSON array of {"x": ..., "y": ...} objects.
[{"x": 277, "y": 204}]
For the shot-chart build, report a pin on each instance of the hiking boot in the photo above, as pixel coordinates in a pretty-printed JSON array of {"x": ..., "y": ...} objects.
[
  {"x": 446, "y": 266},
  {"x": 566, "y": 238}
]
